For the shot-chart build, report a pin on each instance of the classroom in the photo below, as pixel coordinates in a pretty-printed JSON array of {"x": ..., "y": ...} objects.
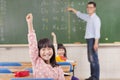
[{"x": 59, "y": 21}]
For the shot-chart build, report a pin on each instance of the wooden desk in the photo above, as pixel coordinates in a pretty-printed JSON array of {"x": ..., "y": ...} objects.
[
  {"x": 17, "y": 68},
  {"x": 9, "y": 76},
  {"x": 65, "y": 68},
  {"x": 29, "y": 63},
  {"x": 26, "y": 63},
  {"x": 23, "y": 67}
]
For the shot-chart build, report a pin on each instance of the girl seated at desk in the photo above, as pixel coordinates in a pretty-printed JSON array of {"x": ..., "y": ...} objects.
[
  {"x": 61, "y": 55},
  {"x": 60, "y": 50}
]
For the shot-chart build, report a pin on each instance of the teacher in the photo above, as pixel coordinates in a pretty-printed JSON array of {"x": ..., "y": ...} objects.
[{"x": 92, "y": 36}]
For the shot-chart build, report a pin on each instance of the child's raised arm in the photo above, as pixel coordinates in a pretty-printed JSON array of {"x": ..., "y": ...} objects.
[
  {"x": 32, "y": 40},
  {"x": 54, "y": 41},
  {"x": 54, "y": 38},
  {"x": 29, "y": 19}
]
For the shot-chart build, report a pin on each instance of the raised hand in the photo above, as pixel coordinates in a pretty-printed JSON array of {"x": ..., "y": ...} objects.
[
  {"x": 53, "y": 34},
  {"x": 29, "y": 18}
]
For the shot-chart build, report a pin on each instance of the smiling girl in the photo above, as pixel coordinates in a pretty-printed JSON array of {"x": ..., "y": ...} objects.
[
  {"x": 60, "y": 49},
  {"x": 42, "y": 55}
]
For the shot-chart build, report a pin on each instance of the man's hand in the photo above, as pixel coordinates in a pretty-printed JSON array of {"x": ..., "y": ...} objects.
[
  {"x": 69, "y": 9},
  {"x": 96, "y": 44},
  {"x": 96, "y": 47},
  {"x": 72, "y": 9}
]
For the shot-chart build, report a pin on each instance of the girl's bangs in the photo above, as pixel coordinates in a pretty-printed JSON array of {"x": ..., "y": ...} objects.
[
  {"x": 43, "y": 43},
  {"x": 47, "y": 44}
]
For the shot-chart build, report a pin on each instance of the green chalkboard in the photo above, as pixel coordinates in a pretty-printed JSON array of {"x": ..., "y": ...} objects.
[{"x": 51, "y": 16}]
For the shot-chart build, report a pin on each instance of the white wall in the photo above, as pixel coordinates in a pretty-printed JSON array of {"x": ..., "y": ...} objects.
[{"x": 109, "y": 57}]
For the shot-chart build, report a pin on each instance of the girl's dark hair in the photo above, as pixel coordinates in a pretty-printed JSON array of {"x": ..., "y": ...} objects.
[
  {"x": 61, "y": 46},
  {"x": 91, "y": 2},
  {"x": 43, "y": 43}
]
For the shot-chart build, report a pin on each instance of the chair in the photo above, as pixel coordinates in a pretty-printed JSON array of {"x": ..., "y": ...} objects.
[
  {"x": 10, "y": 64},
  {"x": 5, "y": 70},
  {"x": 32, "y": 79},
  {"x": 67, "y": 64}
]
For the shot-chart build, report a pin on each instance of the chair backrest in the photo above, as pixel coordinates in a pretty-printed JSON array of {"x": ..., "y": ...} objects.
[
  {"x": 10, "y": 64},
  {"x": 66, "y": 64},
  {"x": 5, "y": 70},
  {"x": 63, "y": 63},
  {"x": 32, "y": 79}
]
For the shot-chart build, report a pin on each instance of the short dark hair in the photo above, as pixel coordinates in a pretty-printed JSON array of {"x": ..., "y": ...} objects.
[
  {"x": 91, "y": 2},
  {"x": 45, "y": 42},
  {"x": 61, "y": 46}
]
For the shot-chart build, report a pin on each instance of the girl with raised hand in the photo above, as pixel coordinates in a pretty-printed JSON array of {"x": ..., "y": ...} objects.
[{"x": 42, "y": 55}]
